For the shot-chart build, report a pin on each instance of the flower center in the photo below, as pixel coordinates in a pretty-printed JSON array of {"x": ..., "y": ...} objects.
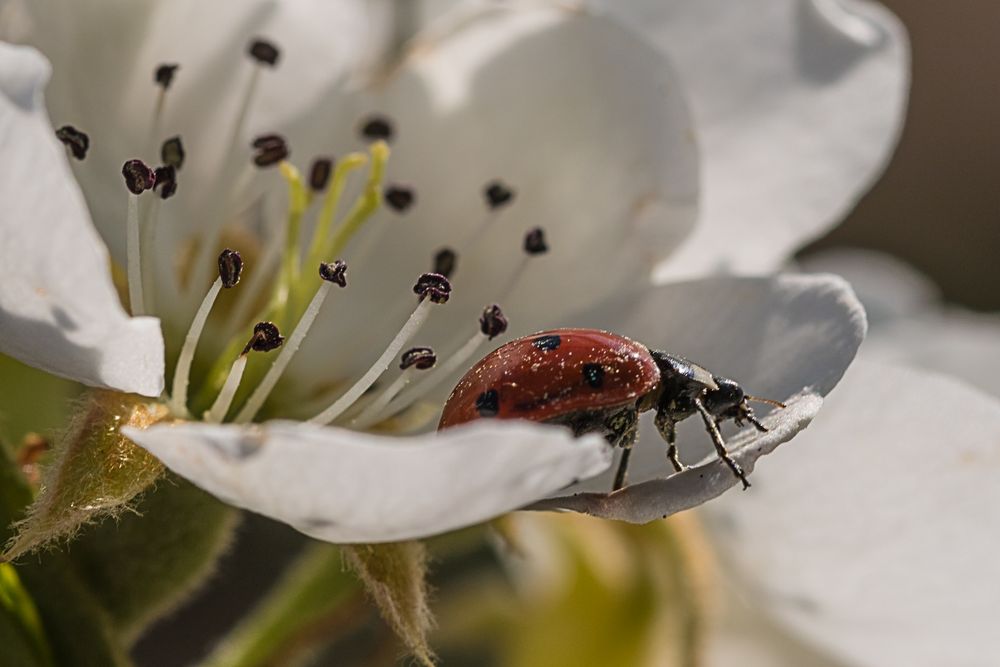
[{"x": 293, "y": 278}]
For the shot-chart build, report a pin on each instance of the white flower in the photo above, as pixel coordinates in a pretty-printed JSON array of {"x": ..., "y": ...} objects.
[
  {"x": 586, "y": 118},
  {"x": 873, "y": 543}
]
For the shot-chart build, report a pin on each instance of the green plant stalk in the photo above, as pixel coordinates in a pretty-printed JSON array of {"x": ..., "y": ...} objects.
[{"x": 311, "y": 593}]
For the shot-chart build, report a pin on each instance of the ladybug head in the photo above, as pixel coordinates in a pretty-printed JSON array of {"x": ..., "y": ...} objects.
[{"x": 727, "y": 401}]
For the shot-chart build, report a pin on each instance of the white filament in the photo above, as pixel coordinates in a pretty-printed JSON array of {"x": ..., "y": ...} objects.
[
  {"x": 432, "y": 378},
  {"x": 263, "y": 390},
  {"x": 178, "y": 394},
  {"x": 370, "y": 415},
  {"x": 219, "y": 409},
  {"x": 412, "y": 326},
  {"x": 134, "y": 263}
]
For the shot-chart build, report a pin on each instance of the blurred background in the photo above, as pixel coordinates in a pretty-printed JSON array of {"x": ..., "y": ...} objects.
[{"x": 938, "y": 205}]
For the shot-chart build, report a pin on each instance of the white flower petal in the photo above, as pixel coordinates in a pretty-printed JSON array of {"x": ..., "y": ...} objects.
[
  {"x": 579, "y": 115},
  {"x": 788, "y": 338},
  {"x": 774, "y": 335},
  {"x": 343, "y": 486},
  {"x": 58, "y": 308},
  {"x": 909, "y": 322},
  {"x": 875, "y": 538},
  {"x": 888, "y": 287},
  {"x": 797, "y": 105}
]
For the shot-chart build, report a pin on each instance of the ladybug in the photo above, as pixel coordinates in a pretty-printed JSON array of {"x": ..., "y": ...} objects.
[{"x": 594, "y": 381}]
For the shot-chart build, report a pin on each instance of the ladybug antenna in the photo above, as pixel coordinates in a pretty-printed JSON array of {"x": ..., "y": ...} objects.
[
  {"x": 765, "y": 401},
  {"x": 334, "y": 273},
  {"x": 492, "y": 323},
  {"x": 431, "y": 288}
]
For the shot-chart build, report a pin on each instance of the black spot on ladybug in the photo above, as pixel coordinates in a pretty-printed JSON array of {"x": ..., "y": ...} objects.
[
  {"x": 488, "y": 403},
  {"x": 594, "y": 375},
  {"x": 547, "y": 343}
]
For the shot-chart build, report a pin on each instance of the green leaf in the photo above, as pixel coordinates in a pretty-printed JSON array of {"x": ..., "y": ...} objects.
[
  {"x": 395, "y": 576},
  {"x": 144, "y": 564},
  {"x": 92, "y": 472},
  {"x": 313, "y": 604},
  {"x": 20, "y": 624}
]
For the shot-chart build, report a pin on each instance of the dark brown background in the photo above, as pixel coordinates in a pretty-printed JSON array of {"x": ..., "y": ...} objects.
[{"x": 938, "y": 206}]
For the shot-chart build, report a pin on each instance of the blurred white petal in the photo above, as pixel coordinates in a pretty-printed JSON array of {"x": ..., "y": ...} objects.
[
  {"x": 911, "y": 325},
  {"x": 797, "y": 105},
  {"x": 888, "y": 287},
  {"x": 343, "y": 486},
  {"x": 58, "y": 308},
  {"x": 875, "y": 537}
]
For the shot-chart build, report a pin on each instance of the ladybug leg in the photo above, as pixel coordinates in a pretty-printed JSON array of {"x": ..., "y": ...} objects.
[
  {"x": 668, "y": 431},
  {"x": 622, "y": 430},
  {"x": 720, "y": 444}
]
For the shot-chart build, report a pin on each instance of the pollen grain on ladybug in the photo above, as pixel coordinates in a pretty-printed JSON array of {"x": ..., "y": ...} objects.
[
  {"x": 593, "y": 381},
  {"x": 247, "y": 311}
]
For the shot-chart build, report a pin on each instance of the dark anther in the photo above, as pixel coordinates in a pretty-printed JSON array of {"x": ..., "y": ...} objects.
[
  {"x": 420, "y": 357},
  {"x": 164, "y": 74},
  {"x": 270, "y": 149},
  {"x": 166, "y": 181},
  {"x": 399, "y": 197},
  {"x": 77, "y": 142},
  {"x": 266, "y": 337},
  {"x": 534, "y": 242},
  {"x": 172, "y": 152},
  {"x": 334, "y": 272},
  {"x": 488, "y": 403},
  {"x": 497, "y": 194},
  {"x": 445, "y": 261},
  {"x": 264, "y": 52},
  {"x": 138, "y": 177},
  {"x": 433, "y": 286},
  {"x": 492, "y": 322},
  {"x": 377, "y": 127},
  {"x": 230, "y": 267},
  {"x": 319, "y": 173}
]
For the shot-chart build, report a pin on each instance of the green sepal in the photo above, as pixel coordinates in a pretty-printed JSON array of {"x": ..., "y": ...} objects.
[
  {"x": 395, "y": 575},
  {"x": 92, "y": 472},
  {"x": 144, "y": 564}
]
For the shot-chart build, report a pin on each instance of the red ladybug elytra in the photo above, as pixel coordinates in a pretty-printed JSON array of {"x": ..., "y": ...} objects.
[{"x": 598, "y": 382}]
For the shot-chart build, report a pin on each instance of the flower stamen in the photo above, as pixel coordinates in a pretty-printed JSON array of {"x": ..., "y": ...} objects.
[
  {"x": 163, "y": 75},
  {"x": 413, "y": 361},
  {"x": 265, "y": 338},
  {"x": 432, "y": 289},
  {"x": 138, "y": 179},
  {"x": 230, "y": 269},
  {"x": 331, "y": 274},
  {"x": 492, "y": 323}
]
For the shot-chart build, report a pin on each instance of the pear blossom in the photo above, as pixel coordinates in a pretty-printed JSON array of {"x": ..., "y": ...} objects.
[{"x": 497, "y": 121}]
